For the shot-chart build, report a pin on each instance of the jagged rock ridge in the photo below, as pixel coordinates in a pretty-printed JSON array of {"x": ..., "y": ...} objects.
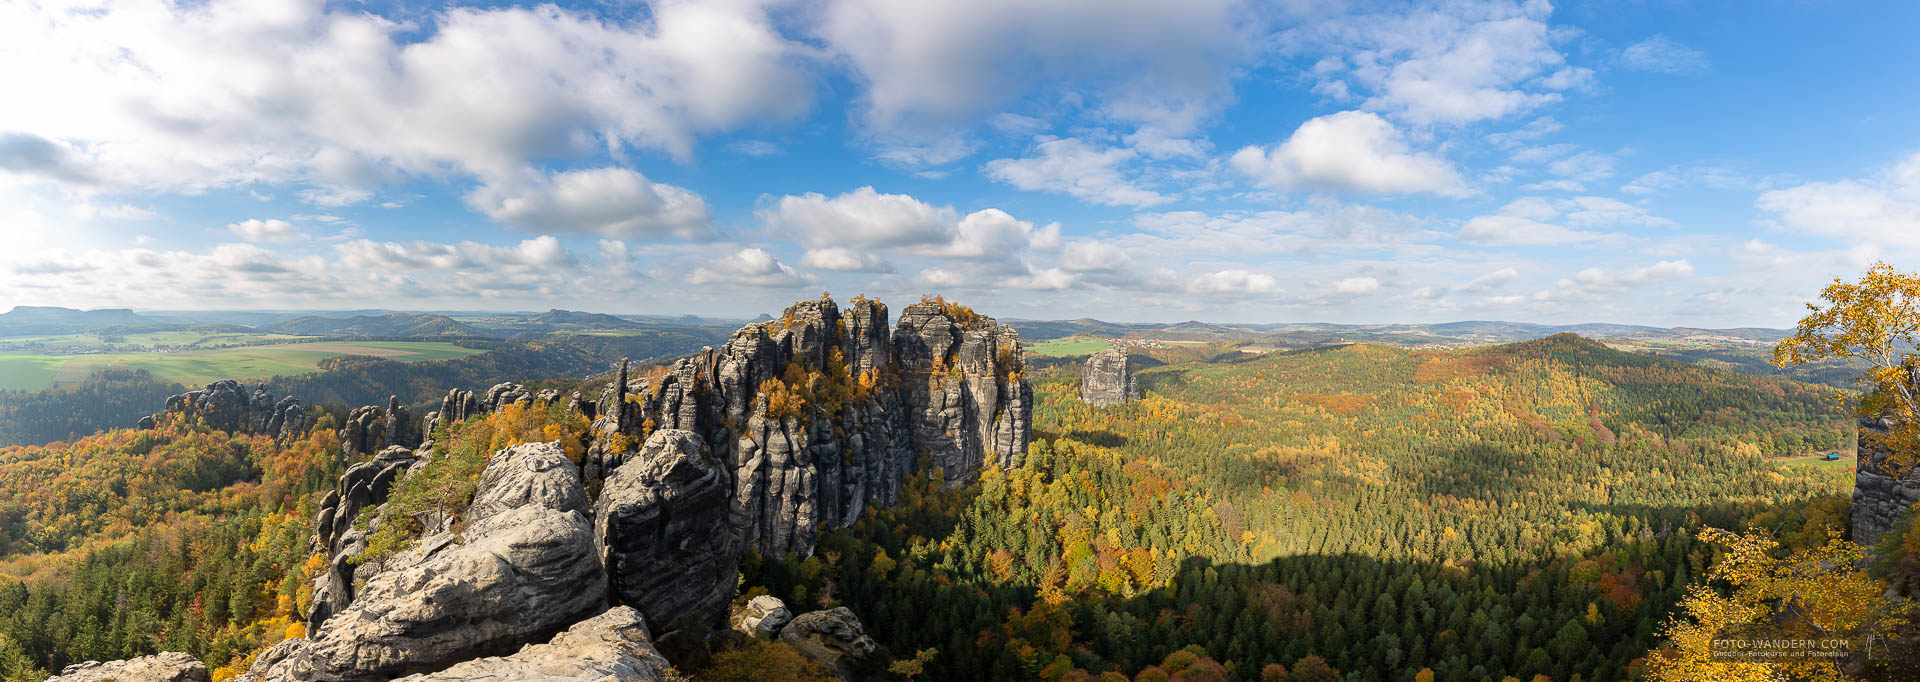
[
  {"x": 226, "y": 405},
  {"x": 793, "y": 424},
  {"x": 822, "y": 412}
]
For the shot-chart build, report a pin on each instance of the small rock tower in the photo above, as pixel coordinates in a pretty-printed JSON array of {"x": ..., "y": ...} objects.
[{"x": 1107, "y": 380}]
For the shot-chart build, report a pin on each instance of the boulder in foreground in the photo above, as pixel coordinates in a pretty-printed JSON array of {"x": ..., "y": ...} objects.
[
  {"x": 611, "y": 647},
  {"x": 171, "y": 666}
]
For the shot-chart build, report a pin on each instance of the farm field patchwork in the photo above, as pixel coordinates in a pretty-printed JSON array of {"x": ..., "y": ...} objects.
[
  {"x": 143, "y": 340},
  {"x": 34, "y": 371}
]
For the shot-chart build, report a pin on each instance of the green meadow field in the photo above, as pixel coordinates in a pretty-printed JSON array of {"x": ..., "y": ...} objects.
[
  {"x": 33, "y": 371},
  {"x": 1847, "y": 459},
  {"x": 1074, "y": 345},
  {"x": 147, "y": 340}
]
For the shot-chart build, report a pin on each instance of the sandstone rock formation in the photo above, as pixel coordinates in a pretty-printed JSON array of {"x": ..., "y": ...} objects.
[
  {"x": 171, "y": 666},
  {"x": 363, "y": 485},
  {"x": 763, "y": 617},
  {"x": 837, "y": 640},
  {"x": 1107, "y": 379},
  {"x": 793, "y": 425},
  {"x": 661, "y": 530},
  {"x": 372, "y": 429},
  {"x": 504, "y": 394},
  {"x": 613, "y": 646},
  {"x": 822, "y": 412},
  {"x": 1880, "y": 492},
  {"x": 227, "y": 406},
  {"x": 455, "y": 408},
  {"x": 523, "y": 567},
  {"x": 461, "y": 404}
]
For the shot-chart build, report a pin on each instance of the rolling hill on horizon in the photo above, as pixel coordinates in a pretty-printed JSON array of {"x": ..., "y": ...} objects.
[{"x": 408, "y": 325}]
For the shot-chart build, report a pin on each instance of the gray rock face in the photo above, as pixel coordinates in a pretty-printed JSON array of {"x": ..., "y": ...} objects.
[
  {"x": 791, "y": 426},
  {"x": 364, "y": 485},
  {"x": 460, "y": 404},
  {"x": 836, "y": 639},
  {"x": 227, "y": 406},
  {"x": 822, "y": 412},
  {"x": 362, "y": 432},
  {"x": 1107, "y": 380},
  {"x": 1880, "y": 495},
  {"x": 516, "y": 575},
  {"x": 455, "y": 408},
  {"x": 171, "y": 666},
  {"x": 960, "y": 373},
  {"x": 522, "y": 568},
  {"x": 534, "y": 474},
  {"x": 504, "y": 394},
  {"x": 398, "y": 425},
  {"x": 372, "y": 429},
  {"x": 611, "y": 647},
  {"x": 661, "y": 529},
  {"x": 763, "y": 617}
]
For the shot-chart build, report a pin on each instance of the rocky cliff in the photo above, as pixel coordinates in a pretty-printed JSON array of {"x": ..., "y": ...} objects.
[
  {"x": 1107, "y": 379},
  {"x": 1881, "y": 491},
  {"x": 228, "y": 406},
  {"x": 794, "y": 425},
  {"x": 821, "y": 412},
  {"x": 520, "y": 568}
]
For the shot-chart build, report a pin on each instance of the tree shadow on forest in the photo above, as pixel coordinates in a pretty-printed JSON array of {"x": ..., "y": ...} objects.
[
  {"x": 1100, "y": 437},
  {"x": 1280, "y": 612},
  {"x": 1164, "y": 382},
  {"x": 1137, "y": 362},
  {"x": 1042, "y": 362}
]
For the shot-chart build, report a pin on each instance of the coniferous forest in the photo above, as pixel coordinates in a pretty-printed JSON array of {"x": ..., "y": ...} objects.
[
  {"x": 1352, "y": 512},
  {"x": 1364, "y": 511}
]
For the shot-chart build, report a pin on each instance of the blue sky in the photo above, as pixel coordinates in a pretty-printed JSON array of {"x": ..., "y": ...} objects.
[{"x": 1670, "y": 163}]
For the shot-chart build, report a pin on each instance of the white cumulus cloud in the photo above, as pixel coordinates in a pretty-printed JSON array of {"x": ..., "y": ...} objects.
[
  {"x": 1233, "y": 282},
  {"x": 1883, "y": 208},
  {"x": 1454, "y": 63},
  {"x": 844, "y": 260},
  {"x": 1351, "y": 151},
  {"x": 948, "y": 62},
  {"x": 861, "y": 218},
  {"x": 749, "y": 267},
  {"x": 185, "y": 96},
  {"x": 270, "y": 230},
  {"x": 1354, "y": 286},
  {"x": 1071, "y": 166},
  {"x": 609, "y": 202}
]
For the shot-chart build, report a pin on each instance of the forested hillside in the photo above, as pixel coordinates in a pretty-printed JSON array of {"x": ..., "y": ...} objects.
[
  {"x": 131, "y": 542},
  {"x": 1518, "y": 510},
  {"x": 1508, "y": 511},
  {"x": 108, "y": 399},
  {"x": 175, "y": 539},
  {"x": 116, "y": 398}
]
